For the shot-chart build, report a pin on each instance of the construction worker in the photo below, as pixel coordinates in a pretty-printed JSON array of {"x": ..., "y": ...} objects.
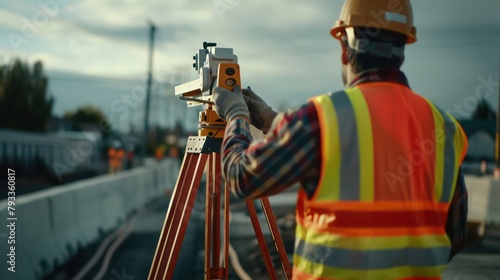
[
  {"x": 111, "y": 159},
  {"x": 160, "y": 152},
  {"x": 115, "y": 157},
  {"x": 119, "y": 155},
  {"x": 382, "y": 195}
]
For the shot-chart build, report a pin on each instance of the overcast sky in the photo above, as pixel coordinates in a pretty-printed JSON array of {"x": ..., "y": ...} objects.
[{"x": 95, "y": 51}]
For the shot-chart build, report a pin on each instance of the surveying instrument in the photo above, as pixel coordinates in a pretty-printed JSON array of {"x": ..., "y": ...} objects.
[{"x": 217, "y": 66}]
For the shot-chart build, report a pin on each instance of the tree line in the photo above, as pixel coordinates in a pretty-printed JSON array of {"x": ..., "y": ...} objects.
[{"x": 25, "y": 102}]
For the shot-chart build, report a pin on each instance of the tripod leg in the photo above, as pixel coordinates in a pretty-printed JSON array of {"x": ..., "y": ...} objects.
[
  {"x": 278, "y": 242},
  {"x": 216, "y": 210},
  {"x": 260, "y": 238},
  {"x": 226, "y": 223},
  {"x": 208, "y": 222},
  {"x": 177, "y": 218},
  {"x": 213, "y": 269},
  {"x": 168, "y": 218}
]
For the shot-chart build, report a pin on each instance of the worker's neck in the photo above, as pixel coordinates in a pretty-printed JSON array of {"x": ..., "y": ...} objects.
[{"x": 349, "y": 74}]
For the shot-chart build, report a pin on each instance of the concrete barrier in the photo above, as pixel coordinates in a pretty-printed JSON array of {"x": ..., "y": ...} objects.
[
  {"x": 65, "y": 222},
  {"x": 493, "y": 216},
  {"x": 169, "y": 175},
  {"x": 483, "y": 199},
  {"x": 90, "y": 215},
  {"x": 478, "y": 189},
  {"x": 146, "y": 186},
  {"x": 111, "y": 204},
  {"x": 35, "y": 237},
  {"x": 483, "y": 204},
  {"x": 23, "y": 269},
  {"x": 131, "y": 192},
  {"x": 53, "y": 224}
]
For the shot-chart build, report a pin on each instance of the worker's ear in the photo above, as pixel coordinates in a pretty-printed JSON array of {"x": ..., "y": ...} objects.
[{"x": 345, "y": 55}]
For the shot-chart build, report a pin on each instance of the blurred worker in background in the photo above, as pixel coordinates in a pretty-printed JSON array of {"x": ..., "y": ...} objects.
[
  {"x": 382, "y": 195},
  {"x": 160, "y": 152},
  {"x": 172, "y": 146},
  {"x": 120, "y": 155},
  {"x": 111, "y": 159},
  {"x": 115, "y": 157}
]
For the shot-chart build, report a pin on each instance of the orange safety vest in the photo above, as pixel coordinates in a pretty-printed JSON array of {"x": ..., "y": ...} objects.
[
  {"x": 119, "y": 157},
  {"x": 390, "y": 162},
  {"x": 159, "y": 153},
  {"x": 111, "y": 156}
]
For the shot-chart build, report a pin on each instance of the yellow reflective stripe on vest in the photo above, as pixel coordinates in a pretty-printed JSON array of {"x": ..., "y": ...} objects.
[
  {"x": 450, "y": 144},
  {"x": 365, "y": 143},
  {"x": 328, "y": 240},
  {"x": 330, "y": 145},
  {"x": 449, "y": 170},
  {"x": 320, "y": 271},
  {"x": 348, "y": 147},
  {"x": 439, "y": 140},
  {"x": 460, "y": 145}
]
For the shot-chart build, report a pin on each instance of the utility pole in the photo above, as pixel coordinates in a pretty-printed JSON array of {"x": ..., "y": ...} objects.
[
  {"x": 152, "y": 29},
  {"x": 496, "y": 171}
]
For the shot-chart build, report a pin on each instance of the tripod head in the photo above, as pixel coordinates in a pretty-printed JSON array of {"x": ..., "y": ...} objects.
[
  {"x": 206, "y": 63},
  {"x": 214, "y": 65}
]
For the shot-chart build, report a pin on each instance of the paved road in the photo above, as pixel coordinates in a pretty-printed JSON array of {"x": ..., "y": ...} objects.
[
  {"x": 129, "y": 251},
  {"x": 478, "y": 261},
  {"x": 134, "y": 246}
]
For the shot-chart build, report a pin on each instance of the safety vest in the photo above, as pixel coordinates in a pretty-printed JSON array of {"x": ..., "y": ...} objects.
[
  {"x": 111, "y": 156},
  {"x": 390, "y": 162},
  {"x": 119, "y": 157}
]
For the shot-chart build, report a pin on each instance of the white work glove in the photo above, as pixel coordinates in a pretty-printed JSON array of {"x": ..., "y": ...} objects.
[
  {"x": 262, "y": 115},
  {"x": 230, "y": 104}
]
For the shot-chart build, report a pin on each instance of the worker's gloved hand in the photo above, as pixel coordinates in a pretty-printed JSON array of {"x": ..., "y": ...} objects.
[
  {"x": 230, "y": 104},
  {"x": 262, "y": 115}
]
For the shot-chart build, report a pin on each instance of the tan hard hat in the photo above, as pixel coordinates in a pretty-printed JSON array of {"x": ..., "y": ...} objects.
[{"x": 392, "y": 15}]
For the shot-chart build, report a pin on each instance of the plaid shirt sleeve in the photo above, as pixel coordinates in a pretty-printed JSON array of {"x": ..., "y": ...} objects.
[
  {"x": 456, "y": 224},
  {"x": 288, "y": 154}
]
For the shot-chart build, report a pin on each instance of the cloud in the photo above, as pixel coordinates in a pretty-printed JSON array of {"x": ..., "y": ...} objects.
[
  {"x": 9, "y": 20},
  {"x": 284, "y": 47},
  {"x": 455, "y": 13}
]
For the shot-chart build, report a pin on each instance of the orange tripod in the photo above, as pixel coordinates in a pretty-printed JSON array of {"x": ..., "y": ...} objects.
[{"x": 200, "y": 150}]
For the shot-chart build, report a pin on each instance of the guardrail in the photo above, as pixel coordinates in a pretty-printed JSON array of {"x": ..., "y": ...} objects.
[{"x": 52, "y": 225}]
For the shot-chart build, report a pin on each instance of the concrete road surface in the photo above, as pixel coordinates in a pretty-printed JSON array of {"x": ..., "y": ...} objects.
[{"x": 478, "y": 261}]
